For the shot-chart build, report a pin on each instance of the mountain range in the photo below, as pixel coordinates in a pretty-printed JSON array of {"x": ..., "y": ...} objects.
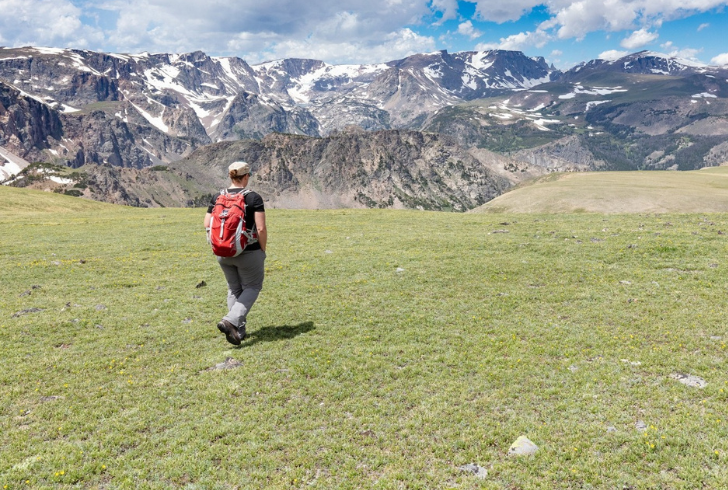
[{"x": 99, "y": 116}]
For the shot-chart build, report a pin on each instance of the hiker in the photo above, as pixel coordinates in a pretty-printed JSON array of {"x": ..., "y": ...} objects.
[{"x": 244, "y": 272}]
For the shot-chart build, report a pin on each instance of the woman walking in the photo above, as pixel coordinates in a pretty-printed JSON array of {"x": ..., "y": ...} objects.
[{"x": 244, "y": 273}]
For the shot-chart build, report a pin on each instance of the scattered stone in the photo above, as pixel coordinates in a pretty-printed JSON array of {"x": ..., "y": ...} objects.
[
  {"x": 626, "y": 283},
  {"x": 187, "y": 320},
  {"x": 328, "y": 252},
  {"x": 82, "y": 261},
  {"x": 100, "y": 327},
  {"x": 201, "y": 284},
  {"x": 473, "y": 468},
  {"x": 100, "y": 307},
  {"x": 44, "y": 399},
  {"x": 713, "y": 266},
  {"x": 500, "y": 231},
  {"x": 522, "y": 447},
  {"x": 505, "y": 223},
  {"x": 573, "y": 368},
  {"x": 400, "y": 270},
  {"x": 715, "y": 337},
  {"x": 595, "y": 240},
  {"x": 26, "y": 311},
  {"x": 24, "y": 293},
  {"x": 229, "y": 363},
  {"x": 367, "y": 433},
  {"x": 633, "y": 363},
  {"x": 720, "y": 232},
  {"x": 689, "y": 380},
  {"x": 631, "y": 245},
  {"x": 55, "y": 262},
  {"x": 160, "y": 288},
  {"x": 611, "y": 429},
  {"x": 640, "y": 425}
]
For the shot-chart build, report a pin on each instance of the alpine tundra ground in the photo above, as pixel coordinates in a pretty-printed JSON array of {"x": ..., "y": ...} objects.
[
  {"x": 696, "y": 191},
  {"x": 387, "y": 350}
]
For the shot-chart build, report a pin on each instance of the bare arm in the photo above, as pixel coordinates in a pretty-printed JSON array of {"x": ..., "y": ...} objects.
[
  {"x": 208, "y": 218},
  {"x": 262, "y": 230}
]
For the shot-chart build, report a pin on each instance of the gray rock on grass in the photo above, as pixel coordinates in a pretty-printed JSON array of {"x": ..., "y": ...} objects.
[
  {"x": 475, "y": 469},
  {"x": 522, "y": 446},
  {"x": 689, "y": 380},
  {"x": 229, "y": 363},
  {"x": 26, "y": 311}
]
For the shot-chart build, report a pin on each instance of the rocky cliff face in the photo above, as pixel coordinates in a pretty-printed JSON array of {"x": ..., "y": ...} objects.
[
  {"x": 355, "y": 168},
  {"x": 251, "y": 117},
  {"x": 27, "y": 125},
  {"x": 565, "y": 155}
]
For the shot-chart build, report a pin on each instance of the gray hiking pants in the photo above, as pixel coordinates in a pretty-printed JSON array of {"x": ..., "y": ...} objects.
[{"x": 244, "y": 275}]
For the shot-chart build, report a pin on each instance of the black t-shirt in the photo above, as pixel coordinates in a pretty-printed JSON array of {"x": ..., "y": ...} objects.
[{"x": 253, "y": 204}]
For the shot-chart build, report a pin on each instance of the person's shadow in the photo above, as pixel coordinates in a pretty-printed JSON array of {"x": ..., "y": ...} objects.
[{"x": 271, "y": 334}]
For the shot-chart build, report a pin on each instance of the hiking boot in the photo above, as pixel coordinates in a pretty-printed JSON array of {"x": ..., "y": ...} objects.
[
  {"x": 230, "y": 331},
  {"x": 241, "y": 331}
]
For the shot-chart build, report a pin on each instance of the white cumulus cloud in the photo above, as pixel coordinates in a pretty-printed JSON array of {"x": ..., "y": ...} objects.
[
  {"x": 518, "y": 42},
  {"x": 448, "y": 9},
  {"x": 395, "y": 45},
  {"x": 612, "y": 55},
  {"x": 575, "y": 19},
  {"x": 721, "y": 59},
  {"x": 466, "y": 29},
  {"x": 45, "y": 23},
  {"x": 503, "y": 11},
  {"x": 638, "y": 39}
]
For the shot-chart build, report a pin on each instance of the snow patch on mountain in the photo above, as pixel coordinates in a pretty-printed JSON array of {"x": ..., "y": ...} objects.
[
  {"x": 593, "y": 103},
  {"x": 580, "y": 90},
  {"x": 157, "y": 122},
  {"x": 673, "y": 59}
]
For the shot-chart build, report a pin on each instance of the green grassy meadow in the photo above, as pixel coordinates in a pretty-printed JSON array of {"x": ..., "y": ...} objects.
[
  {"x": 387, "y": 349},
  {"x": 695, "y": 191}
]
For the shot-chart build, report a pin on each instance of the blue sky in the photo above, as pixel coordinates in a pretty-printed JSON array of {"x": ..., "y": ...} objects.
[{"x": 370, "y": 31}]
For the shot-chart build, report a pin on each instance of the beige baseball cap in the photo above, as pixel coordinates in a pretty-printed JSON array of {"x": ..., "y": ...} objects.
[{"x": 240, "y": 168}]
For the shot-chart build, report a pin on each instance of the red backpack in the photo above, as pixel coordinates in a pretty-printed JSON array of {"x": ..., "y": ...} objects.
[{"x": 229, "y": 234}]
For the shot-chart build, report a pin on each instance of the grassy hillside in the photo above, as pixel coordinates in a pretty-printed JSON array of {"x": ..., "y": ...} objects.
[
  {"x": 22, "y": 202},
  {"x": 700, "y": 191},
  {"x": 388, "y": 349}
]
